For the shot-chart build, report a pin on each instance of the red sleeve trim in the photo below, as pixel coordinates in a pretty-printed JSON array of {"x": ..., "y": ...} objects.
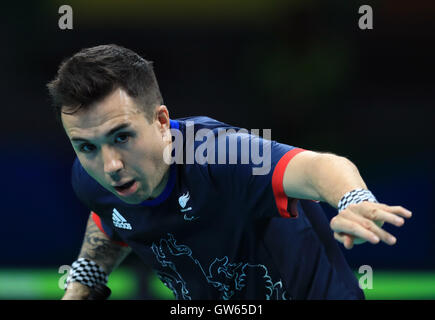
[
  {"x": 97, "y": 221},
  {"x": 281, "y": 198}
]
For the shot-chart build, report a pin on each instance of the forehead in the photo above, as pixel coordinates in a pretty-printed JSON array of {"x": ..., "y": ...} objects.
[{"x": 118, "y": 107}]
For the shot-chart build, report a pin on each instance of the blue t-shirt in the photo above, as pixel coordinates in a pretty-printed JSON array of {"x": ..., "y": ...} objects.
[{"x": 218, "y": 231}]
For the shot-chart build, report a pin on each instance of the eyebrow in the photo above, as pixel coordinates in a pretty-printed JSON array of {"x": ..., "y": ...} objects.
[{"x": 108, "y": 134}]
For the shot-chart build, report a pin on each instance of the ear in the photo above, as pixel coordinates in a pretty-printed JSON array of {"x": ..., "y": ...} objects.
[
  {"x": 162, "y": 119},
  {"x": 162, "y": 115}
]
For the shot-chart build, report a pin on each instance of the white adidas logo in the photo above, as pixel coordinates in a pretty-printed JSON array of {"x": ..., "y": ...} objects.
[{"x": 119, "y": 221}]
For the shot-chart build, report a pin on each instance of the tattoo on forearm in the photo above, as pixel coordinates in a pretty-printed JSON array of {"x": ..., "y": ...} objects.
[{"x": 97, "y": 247}]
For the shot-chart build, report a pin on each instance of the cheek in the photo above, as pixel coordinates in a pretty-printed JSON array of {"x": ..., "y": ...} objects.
[
  {"x": 153, "y": 157},
  {"x": 152, "y": 147},
  {"x": 142, "y": 158}
]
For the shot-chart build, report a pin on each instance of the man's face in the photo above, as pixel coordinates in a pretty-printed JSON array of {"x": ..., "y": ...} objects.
[{"x": 119, "y": 147}]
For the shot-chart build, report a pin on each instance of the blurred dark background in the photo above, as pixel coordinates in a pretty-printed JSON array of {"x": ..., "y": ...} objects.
[{"x": 301, "y": 68}]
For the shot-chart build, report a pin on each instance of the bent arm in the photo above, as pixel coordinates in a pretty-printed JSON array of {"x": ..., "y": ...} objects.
[
  {"x": 321, "y": 176},
  {"x": 100, "y": 249},
  {"x": 327, "y": 177}
]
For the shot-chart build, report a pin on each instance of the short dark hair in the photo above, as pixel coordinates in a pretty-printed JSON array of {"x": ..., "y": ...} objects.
[{"x": 93, "y": 73}]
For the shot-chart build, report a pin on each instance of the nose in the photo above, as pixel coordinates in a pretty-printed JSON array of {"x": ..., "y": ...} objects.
[{"x": 112, "y": 161}]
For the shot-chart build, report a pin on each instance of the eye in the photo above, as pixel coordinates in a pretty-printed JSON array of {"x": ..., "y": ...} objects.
[
  {"x": 87, "y": 148},
  {"x": 122, "y": 138}
]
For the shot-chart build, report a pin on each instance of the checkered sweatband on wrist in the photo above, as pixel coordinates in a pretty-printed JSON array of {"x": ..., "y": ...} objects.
[
  {"x": 86, "y": 272},
  {"x": 355, "y": 196}
]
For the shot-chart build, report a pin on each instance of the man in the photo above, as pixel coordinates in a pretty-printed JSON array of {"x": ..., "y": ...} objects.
[{"x": 214, "y": 229}]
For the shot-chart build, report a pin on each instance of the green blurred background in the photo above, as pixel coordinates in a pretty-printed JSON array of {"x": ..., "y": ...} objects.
[
  {"x": 44, "y": 284},
  {"x": 302, "y": 68}
]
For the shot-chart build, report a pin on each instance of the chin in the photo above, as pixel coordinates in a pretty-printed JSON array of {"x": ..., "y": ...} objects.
[{"x": 134, "y": 200}]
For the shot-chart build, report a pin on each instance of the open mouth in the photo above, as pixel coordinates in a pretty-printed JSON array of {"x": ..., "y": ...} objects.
[
  {"x": 127, "y": 189},
  {"x": 125, "y": 186}
]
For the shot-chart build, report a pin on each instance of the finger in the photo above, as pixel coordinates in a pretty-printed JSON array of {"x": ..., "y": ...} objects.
[
  {"x": 345, "y": 239},
  {"x": 378, "y": 213},
  {"x": 339, "y": 236},
  {"x": 348, "y": 242},
  {"x": 371, "y": 226},
  {"x": 398, "y": 210},
  {"x": 341, "y": 224}
]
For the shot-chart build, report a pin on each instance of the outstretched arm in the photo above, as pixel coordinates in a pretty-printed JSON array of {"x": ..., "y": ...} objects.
[
  {"x": 327, "y": 177},
  {"x": 100, "y": 249}
]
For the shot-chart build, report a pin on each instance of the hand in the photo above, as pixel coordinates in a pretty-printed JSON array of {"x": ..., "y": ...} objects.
[
  {"x": 362, "y": 222},
  {"x": 76, "y": 291}
]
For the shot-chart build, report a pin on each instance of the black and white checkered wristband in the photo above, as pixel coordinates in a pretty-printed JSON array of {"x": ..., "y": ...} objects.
[
  {"x": 355, "y": 196},
  {"x": 86, "y": 272}
]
